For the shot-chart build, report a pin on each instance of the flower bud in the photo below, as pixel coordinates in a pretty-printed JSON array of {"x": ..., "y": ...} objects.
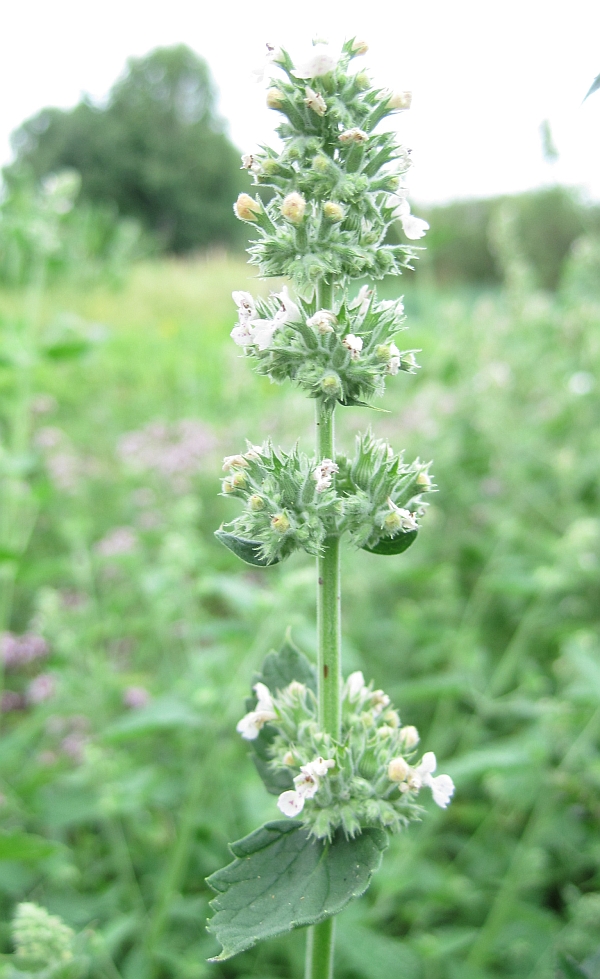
[
  {"x": 410, "y": 736},
  {"x": 227, "y": 485},
  {"x": 424, "y": 481},
  {"x": 399, "y": 100},
  {"x": 247, "y": 208},
  {"x": 391, "y": 718},
  {"x": 289, "y": 758},
  {"x": 398, "y": 769},
  {"x": 354, "y": 135},
  {"x": 321, "y": 163},
  {"x": 323, "y": 321},
  {"x": 239, "y": 480},
  {"x": 275, "y": 98},
  {"x": 256, "y": 502},
  {"x": 333, "y": 211},
  {"x": 280, "y": 523},
  {"x": 293, "y": 207},
  {"x": 331, "y": 385},
  {"x": 359, "y": 47},
  {"x": 231, "y": 462},
  {"x": 382, "y": 352},
  {"x": 362, "y": 80}
]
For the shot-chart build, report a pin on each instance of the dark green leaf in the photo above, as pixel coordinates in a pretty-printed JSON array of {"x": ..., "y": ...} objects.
[
  {"x": 394, "y": 545},
  {"x": 278, "y": 670},
  {"x": 593, "y": 87},
  {"x": 247, "y": 550},
  {"x": 283, "y": 879},
  {"x": 25, "y": 847},
  {"x": 7, "y": 555}
]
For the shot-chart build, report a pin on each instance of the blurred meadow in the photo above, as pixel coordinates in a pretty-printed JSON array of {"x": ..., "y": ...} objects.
[{"x": 129, "y": 637}]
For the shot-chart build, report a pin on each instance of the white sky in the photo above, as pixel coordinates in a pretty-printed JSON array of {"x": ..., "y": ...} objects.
[{"x": 484, "y": 73}]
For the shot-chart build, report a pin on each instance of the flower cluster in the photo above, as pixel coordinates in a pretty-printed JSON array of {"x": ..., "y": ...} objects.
[
  {"x": 337, "y": 185},
  {"x": 340, "y": 355},
  {"x": 367, "y": 778},
  {"x": 293, "y": 501}
]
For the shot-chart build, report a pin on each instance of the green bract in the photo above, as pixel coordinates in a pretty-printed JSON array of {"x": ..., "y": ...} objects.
[{"x": 287, "y": 508}]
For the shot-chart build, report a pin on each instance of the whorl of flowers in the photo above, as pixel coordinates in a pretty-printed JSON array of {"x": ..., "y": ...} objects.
[
  {"x": 292, "y": 501},
  {"x": 370, "y": 777}
]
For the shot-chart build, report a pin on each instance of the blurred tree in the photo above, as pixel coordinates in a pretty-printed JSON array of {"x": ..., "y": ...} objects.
[{"x": 156, "y": 149}]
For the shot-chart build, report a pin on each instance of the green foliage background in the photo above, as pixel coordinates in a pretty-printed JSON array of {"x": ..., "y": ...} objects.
[{"x": 485, "y": 633}]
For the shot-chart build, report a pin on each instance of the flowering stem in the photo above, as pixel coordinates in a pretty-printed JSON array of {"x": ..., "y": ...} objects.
[{"x": 319, "y": 948}]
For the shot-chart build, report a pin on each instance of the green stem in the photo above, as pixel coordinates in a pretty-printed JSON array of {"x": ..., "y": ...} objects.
[{"x": 320, "y": 942}]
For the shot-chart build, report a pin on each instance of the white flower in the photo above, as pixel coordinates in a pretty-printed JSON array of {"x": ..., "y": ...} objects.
[
  {"x": 231, "y": 462},
  {"x": 243, "y": 334},
  {"x": 315, "y": 101},
  {"x": 395, "y": 359},
  {"x": 250, "y": 162},
  {"x": 323, "y": 474},
  {"x": 442, "y": 786},
  {"x": 264, "y": 331},
  {"x": 412, "y": 226},
  {"x": 354, "y": 345},
  {"x": 290, "y": 803},
  {"x": 321, "y": 62},
  {"x": 322, "y": 321},
  {"x": 245, "y": 304},
  {"x": 250, "y": 725},
  {"x": 273, "y": 56},
  {"x": 355, "y": 685},
  {"x": 379, "y": 700},
  {"x": 292, "y": 313},
  {"x": 307, "y": 785},
  {"x": 362, "y": 300}
]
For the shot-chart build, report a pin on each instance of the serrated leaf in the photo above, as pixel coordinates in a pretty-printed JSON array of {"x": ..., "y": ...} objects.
[
  {"x": 394, "y": 545},
  {"x": 25, "y": 847},
  {"x": 278, "y": 671},
  {"x": 247, "y": 550},
  {"x": 283, "y": 879}
]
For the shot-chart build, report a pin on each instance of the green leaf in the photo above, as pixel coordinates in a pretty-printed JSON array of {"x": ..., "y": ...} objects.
[
  {"x": 283, "y": 879},
  {"x": 278, "y": 671},
  {"x": 570, "y": 968},
  {"x": 25, "y": 847},
  {"x": 7, "y": 555},
  {"x": 394, "y": 545},
  {"x": 246, "y": 550},
  {"x": 67, "y": 349}
]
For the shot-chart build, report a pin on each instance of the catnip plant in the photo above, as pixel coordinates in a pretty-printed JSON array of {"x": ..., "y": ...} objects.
[{"x": 345, "y": 771}]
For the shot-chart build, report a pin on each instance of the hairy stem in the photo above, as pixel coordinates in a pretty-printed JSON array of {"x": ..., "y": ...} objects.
[{"x": 319, "y": 949}]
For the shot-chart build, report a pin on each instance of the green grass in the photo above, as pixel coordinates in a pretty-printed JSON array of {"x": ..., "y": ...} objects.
[{"x": 485, "y": 633}]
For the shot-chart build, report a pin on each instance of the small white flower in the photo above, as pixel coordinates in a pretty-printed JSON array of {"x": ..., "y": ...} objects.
[
  {"x": 307, "y": 783},
  {"x": 291, "y": 311},
  {"x": 290, "y": 803},
  {"x": 245, "y": 304},
  {"x": 395, "y": 359},
  {"x": 315, "y": 101},
  {"x": 231, "y": 462},
  {"x": 250, "y": 162},
  {"x": 264, "y": 331},
  {"x": 273, "y": 56},
  {"x": 320, "y": 63},
  {"x": 442, "y": 786},
  {"x": 243, "y": 334},
  {"x": 319, "y": 767},
  {"x": 379, "y": 700},
  {"x": 355, "y": 684},
  {"x": 362, "y": 301},
  {"x": 322, "y": 321},
  {"x": 354, "y": 345},
  {"x": 323, "y": 474},
  {"x": 251, "y": 724},
  {"x": 414, "y": 227}
]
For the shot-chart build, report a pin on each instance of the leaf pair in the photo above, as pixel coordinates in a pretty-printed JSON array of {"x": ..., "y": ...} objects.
[{"x": 250, "y": 551}]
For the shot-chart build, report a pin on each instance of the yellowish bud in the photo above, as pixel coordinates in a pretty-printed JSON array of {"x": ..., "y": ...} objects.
[
  {"x": 360, "y": 47},
  {"x": 333, "y": 211},
  {"x": 280, "y": 523},
  {"x": 410, "y": 736},
  {"x": 247, "y": 208},
  {"x": 424, "y": 480},
  {"x": 239, "y": 480},
  {"x": 398, "y": 769},
  {"x": 391, "y": 717},
  {"x": 256, "y": 502},
  {"x": 293, "y": 207},
  {"x": 275, "y": 98},
  {"x": 382, "y": 352},
  {"x": 362, "y": 80},
  {"x": 320, "y": 163},
  {"x": 331, "y": 385},
  {"x": 289, "y": 758},
  {"x": 393, "y": 522},
  {"x": 227, "y": 485}
]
